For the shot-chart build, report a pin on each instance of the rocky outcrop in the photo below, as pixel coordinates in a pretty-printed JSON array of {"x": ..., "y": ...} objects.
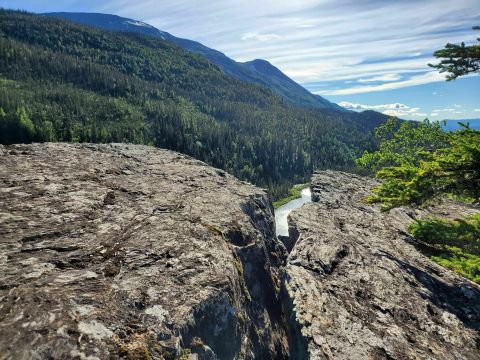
[
  {"x": 119, "y": 251},
  {"x": 355, "y": 286}
]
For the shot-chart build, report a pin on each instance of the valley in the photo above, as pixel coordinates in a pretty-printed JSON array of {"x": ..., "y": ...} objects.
[{"x": 257, "y": 71}]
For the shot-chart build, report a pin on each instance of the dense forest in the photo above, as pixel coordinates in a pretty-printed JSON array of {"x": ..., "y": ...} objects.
[{"x": 65, "y": 82}]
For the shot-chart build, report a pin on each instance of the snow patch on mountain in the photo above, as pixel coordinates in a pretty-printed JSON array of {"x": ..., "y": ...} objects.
[{"x": 137, "y": 23}]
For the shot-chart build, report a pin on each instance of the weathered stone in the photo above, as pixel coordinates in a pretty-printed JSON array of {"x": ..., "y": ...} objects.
[
  {"x": 122, "y": 251},
  {"x": 355, "y": 286},
  {"x": 111, "y": 251}
]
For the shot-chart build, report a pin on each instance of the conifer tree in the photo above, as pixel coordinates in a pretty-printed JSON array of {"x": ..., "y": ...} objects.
[{"x": 458, "y": 60}]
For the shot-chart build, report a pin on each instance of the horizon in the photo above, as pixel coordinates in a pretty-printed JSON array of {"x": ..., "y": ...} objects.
[{"x": 387, "y": 73}]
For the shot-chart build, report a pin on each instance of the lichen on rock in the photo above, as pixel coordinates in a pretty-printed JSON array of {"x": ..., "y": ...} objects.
[
  {"x": 122, "y": 251},
  {"x": 356, "y": 287},
  {"x": 112, "y": 251}
]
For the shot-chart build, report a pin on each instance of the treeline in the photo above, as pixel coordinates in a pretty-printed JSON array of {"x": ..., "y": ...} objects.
[{"x": 65, "y": 82}]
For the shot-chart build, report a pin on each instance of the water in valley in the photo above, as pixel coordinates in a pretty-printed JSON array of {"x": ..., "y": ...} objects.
[{"x": 282, "y": 212}]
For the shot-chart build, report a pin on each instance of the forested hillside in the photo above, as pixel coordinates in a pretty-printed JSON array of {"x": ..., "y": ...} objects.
[
  {"x": 256, "y": 71},
  {"x": 65, "y": 82}
]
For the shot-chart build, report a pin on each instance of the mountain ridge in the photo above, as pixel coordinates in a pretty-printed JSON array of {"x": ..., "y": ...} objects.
[
  {"x": 257, "y": 71},
  {"x": 64, "y": 81}
]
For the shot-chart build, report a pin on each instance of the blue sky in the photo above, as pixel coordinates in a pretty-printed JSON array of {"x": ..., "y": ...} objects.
[{"x": 363, "y": 54}]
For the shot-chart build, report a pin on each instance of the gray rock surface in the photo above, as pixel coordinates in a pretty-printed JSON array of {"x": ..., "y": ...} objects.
[
  {"x": 120, "y": 251},
  {"x": 355, "y": 286}
]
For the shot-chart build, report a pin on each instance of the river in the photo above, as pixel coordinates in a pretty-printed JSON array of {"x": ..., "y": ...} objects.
[{"x": 282, "y": 212}]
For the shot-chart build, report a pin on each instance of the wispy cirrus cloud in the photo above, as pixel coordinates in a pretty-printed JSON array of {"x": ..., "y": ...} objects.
[
  {"x": 356, "y": 106},
  {"x": 426, "y": 78},
  {"x": 403, "y": 113},
  {"x": 381, "y": 78},
  {"x": 260, "y": 37},
  {"x": 450, "y": 111}
]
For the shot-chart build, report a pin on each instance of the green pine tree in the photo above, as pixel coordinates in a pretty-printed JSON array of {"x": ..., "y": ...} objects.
[{"x": 458, "y": 60}]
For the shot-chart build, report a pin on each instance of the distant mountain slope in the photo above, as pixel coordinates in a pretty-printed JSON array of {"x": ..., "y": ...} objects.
[
  {"x": 256, "y": 71},
  {"x": 63, "y": 81}
]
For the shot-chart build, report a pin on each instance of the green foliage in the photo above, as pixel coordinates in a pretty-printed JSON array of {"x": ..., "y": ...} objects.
[
  {"x": 458, "y": 60},
  {"x": 46, "y": 131},
  {"x": 26, "y": 127},
  {"x": 406, "y": 143},
  {"x": 460, "y": 233},
  {"x": 75, "y": 83},
  {"x": 16, "y": 125},
  {"x": 419, "y": 162},
  {"x": 402, "y": 185},
  {"x": 454, "y": 169},
  {"x": 459, "y": 165},
  {"x": 294, "y": 193},
  {"x": 461, "y": 262},
  {"x": 459, "y": 241}
]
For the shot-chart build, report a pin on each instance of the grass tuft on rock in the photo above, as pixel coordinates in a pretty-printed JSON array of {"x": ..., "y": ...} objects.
[
  {"x": 458, "y": 240},
  {"x": 294, "y": 193}
]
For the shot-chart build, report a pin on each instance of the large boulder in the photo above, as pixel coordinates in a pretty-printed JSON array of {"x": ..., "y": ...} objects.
[
  {"x": 356, "y": 287},
  {"x": 122, "y": 251}
]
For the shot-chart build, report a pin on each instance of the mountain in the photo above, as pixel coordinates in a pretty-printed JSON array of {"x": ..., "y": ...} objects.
[
  {"x": 62, "y": 81},
  {"x": 256, "y": 71},
  {"x": 452, "y": 125}
]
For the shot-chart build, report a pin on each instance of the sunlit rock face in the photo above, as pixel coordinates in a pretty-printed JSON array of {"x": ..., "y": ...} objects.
[
  {"x": 355, "y": 286},
  {"x": 122, "y": 251}
]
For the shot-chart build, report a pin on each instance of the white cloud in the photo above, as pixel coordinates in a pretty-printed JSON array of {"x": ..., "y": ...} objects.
[
  {"x": 395, "y": 109},
  {"x": 327, "y": 68},
  {"x": 384, "y": 78},
  {"x": 414, "y": 80},
  {"x": 354, "y": 106},
  {"x": 447, "y": 110},
  {"x": 260, "y": 37},
  {"x": 451, "y": 110},
  {"x": 476, "y": 110},
  {"x": 444, "y": 112},
  {"x": 404, "y": 113},
  {"x": 305, "y": 26}
]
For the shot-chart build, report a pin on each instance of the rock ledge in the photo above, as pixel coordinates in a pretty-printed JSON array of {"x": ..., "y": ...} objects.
[
  {"x": 122, "y": 251},
  {"x": 356, "y": 287}
]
